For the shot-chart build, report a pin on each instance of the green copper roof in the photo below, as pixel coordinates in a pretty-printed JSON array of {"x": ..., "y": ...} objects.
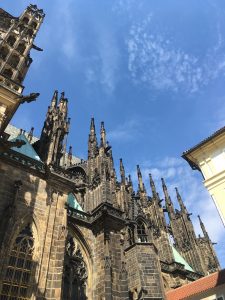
[
  {"x": 179, "y": 259},
  {"x": 72, "y": 202},
  {"x": 26, "y": 149}
]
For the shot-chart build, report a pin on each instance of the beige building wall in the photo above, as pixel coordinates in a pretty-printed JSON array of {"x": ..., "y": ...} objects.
[{"x": 209, "y": 158}]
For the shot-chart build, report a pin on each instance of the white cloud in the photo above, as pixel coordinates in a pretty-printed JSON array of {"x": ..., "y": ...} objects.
[
  {"x": 157, "y": 62},
  {"x": 125, "y": 132}
]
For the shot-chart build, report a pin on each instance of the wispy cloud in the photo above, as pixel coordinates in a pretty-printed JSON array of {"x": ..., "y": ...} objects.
[
  {"x": 126, "y": 131},
  {"x": 156, "y": 61}
]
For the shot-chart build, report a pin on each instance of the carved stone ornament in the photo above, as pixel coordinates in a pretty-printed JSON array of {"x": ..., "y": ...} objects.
[
  {"x": 75, "y": 267},
  {"x": 96, "y": 179}
]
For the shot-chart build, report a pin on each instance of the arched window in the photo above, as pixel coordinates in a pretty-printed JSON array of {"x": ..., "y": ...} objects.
[
  {"x": 4, "y": 51},
  {"x": 142, "y": 236},
  {"x": 8, "y": 73},
  {"x": 21, "y": 48},
  {"x": 17, "y": 276},
  {"x": 11, "y": 40},
  {"x": 30, "y": 32},
  {"x": 14, "y": 60},
  {"x": 25, "y": 20},
  {"x": 74, "y": 272},
  {"x": 34, "y": 25}
]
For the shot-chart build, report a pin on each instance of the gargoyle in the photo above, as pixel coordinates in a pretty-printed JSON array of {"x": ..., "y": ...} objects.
[
  {"x": 6, "y": 145},
  {"x": 36, "y": 48},
  {"x": 28, "y": 98}
]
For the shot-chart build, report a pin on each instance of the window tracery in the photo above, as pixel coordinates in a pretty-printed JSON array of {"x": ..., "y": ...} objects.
[
  {"x": 75, "y": 272},
  {"x": 17, "y": 276},
  {"x": 4, "y": 51},
  {"x": 142, "y": 236},
  {"x": 11, "y": 40}
]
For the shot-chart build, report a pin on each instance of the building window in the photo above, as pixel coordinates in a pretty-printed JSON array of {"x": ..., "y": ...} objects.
[
  {"x": 34, "y": 25},
  {"x": 8, "y": 73},
  {"x": 74, "y": 272},
  {"x": 25, "y": 20},
  {"x": 4, "y": 51},
  {"x": 17, "y": 276},
  {"x": 21, "y": 48},
  {"x": 142, "y": 236},
  {"x": 11, "y": 40},
  {"x": 14, "y": 61}
]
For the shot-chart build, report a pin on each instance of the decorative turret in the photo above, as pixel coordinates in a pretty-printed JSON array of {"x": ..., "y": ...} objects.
[
  {"x": 141, "y": 186},
  {"x": 152, "y": 184},
  {"x": 181, "y": 203},
  {"x": 205, "y": 233},
  {"x": 122, "y": 172},
  {"x": 55, "y": 130},
  {"x": 16, "y": 40},
  {"x": 169, "y": 203},
  {"x": 103, "y": 135},
  {"x": 92, "y": 141}
]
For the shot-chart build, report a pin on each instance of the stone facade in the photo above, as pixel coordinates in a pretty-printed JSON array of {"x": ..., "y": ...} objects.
[{"x": 116, "y": 246}]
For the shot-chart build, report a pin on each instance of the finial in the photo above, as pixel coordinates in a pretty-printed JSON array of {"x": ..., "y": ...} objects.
[
  {"x": 92, "y": 123},
  {"x": 152, "y": 184},
  {"x": 140, "y": 181},
  {"x": 181, "y": 203},
  {"x": 92, "y": 142},
  {"x": 54, "y": 99},
  {"x": 30, "y": 134},
  {"x": 122, "y": 172},
  {"x": 62, "y": 95},
  {"x": 169, "y": 203},
  {"x": 70, "y": 155},
  {"x": 205, "y": 233},
  {"x": 103, "y": 135}
]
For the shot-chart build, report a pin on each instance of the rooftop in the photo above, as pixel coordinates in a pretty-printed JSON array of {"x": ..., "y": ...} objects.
[
  {"x": 215, "y": 134},
  {"x": 197, "y": 287}
]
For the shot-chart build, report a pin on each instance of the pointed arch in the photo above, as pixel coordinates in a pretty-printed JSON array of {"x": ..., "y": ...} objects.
[
  {"x": 141, "y": 231},
  {"x": 4, "y": 51},
  {"x": 77, "y": 266},
  {"x": 21, "y": 48},
  {"x": 18, "y": 274},
  {"x": 11, "y": 40},
  {"x": 8, "y": 72}
]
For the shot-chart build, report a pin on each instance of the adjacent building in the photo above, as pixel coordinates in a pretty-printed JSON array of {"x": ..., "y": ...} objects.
[{"x": 209, "y": 158}]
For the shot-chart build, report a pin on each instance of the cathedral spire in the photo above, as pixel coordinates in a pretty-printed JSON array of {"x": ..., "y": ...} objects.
[
  {"x": 169, "y": 204},
  {"x": 122, "y": 172},
  {"x": 54, "y": 133},
  {"x": 63, "y": 105},
  {"x": 54, "y": 101},
  {"x": 205, "y": 233},
  {"x": 140, "y": 180},
  {"x": 181, "y": 203},
  {"x": 103, "y": 135},
  {"x": 92, "y": 142},
  {"x": 153, "y": 188}
]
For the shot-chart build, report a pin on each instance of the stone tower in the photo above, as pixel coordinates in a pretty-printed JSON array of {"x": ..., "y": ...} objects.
[
  {"x": 16, "y": 40},
  {"x": 55, "y": 130}
]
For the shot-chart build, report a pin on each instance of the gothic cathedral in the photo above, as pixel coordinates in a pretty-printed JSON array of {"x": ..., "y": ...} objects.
[{"x": 71, "y": 229}]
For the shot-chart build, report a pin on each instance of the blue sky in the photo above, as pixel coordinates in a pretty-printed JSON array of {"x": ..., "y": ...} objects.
[{"x": 154, "y": 71}]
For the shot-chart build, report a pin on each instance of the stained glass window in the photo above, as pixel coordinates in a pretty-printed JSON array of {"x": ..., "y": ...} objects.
[{"x": 17, "y": 277}]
